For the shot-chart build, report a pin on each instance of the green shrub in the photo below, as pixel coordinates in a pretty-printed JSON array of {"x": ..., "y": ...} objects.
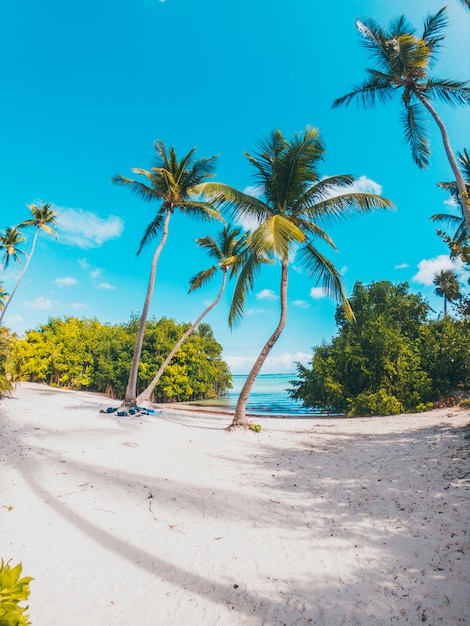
[
  {"x": 13, "y": 590},
  {"x": 378, "y": 403}
]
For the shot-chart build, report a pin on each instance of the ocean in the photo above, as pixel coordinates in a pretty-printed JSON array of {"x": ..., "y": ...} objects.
[{"x": 268, "y": 397}]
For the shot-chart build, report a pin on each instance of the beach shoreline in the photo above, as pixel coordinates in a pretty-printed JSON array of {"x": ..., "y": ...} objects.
[{"x": 170, "y": 519}]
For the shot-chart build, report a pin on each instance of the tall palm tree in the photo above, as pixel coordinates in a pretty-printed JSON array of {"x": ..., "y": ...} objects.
[
  {"x": 403, "y": 63},
  {"x": 171, "y": 182},
  {"x": 447, "y": 287},
  {"x": 231, "y": 256},
  {"x": 10, "y": 241},
  {"x": 457, "y": 222},
  {"x": 292, "y": 202},
  {"x": 43, "y": 219}
]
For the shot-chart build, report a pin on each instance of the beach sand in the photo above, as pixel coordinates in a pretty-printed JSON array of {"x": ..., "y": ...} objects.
[{"x": 172, "y": 520}]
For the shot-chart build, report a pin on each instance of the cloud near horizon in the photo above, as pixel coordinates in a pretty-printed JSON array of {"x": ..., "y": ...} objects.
[
  {"x": 317, "y": 293},
  {"x": 39, "y": 304},
  {"x": 85, "y": 229},
  {"x": 67, "y": 281},
  {"x": 279, "y": 364}
]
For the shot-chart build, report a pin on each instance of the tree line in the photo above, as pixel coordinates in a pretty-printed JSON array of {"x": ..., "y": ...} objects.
[{"x": 88, "y": 355}]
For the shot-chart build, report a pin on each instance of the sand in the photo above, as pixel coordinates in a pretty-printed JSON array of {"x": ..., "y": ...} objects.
[{"x": 172, "y": 520}]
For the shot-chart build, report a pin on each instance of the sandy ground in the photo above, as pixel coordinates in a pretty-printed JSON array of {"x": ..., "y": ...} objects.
[{"x": 172, "y": 520}]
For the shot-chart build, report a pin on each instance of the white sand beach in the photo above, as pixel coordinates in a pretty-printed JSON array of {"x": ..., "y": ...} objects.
[{"x": 172, "y": 520}]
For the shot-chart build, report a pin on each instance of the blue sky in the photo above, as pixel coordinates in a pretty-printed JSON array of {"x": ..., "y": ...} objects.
[{"x": 88, "y": 86}]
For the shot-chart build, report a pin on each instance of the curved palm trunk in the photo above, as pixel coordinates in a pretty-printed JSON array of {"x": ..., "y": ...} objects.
[
  {"x": 461, "y": 186},
  {"x": 33, "y": 245},
  {"x": 144, "y": 398},
  {"x": 131, "y": 391},
  {"x": 239, "y": 418}
]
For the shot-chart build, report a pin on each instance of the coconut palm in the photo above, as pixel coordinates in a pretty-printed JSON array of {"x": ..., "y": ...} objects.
[
  {"x": 231, "y": 256},
  {"x": 456, "y": 222},
  {"x": 10, "y": 241},
  {"x": 171, "y": 182},
  {"x": 43, "y": 219},
  {"x": 292, "y": 202},
  {"x": 447, "y": 287},
  {"x": 403, "y": 63},
  {"x": 3, "y": 296}
]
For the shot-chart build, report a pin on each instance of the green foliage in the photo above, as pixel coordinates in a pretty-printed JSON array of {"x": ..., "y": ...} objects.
[
  {"x": 13, "y": 590},
  {"x": 85, "y": 354},
  {"x": 7, "y": 349},
  {"x": 392, "y": 359}
]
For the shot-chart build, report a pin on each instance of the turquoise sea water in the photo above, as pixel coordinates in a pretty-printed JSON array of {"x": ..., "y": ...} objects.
[{"x": 268, "y": 397}]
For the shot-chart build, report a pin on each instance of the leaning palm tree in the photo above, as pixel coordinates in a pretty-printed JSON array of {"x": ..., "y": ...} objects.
[
  {"x": 403, "y": 63},
  {"x": 10, "y": 241},
  {"x": 291, "y": 204},
  {"x": 231, "y": 256},
  {"x": 447, "y": 287},
  {"x": 460, "y": 233},
  {"x": 43, "y": 219},
  {"x": 171, "y": 182}
]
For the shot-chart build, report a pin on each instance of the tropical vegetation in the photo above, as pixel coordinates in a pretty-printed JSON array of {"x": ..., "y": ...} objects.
[
  {"x": 404, "y": 60},
  {"x": 393, "y": 358},
  {"x": 171, "y": 183},
  {"x": 85, "y": 354},
  {"x": 291, "y": 204}
]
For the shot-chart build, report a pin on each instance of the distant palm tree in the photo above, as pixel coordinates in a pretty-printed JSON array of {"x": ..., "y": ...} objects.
[
  {"x": 404, "y": 60},
  {"x": 229, "y": 251},
  {"x": 3, "y": 296},
  {"x": 170, "y": 182},
  {"x": 447, "y": 287},
  {"x": 43, "y": 219},
  {"x": 291, "y": 204},
  {"x": 465, "y": 3},
  {"x": 457, "y": 222},
  {"x": 9, "y": 242}
]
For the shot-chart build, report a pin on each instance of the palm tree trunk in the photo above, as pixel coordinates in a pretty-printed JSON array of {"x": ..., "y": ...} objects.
[
  {"x": 20, "y": 276},
  {"x": 239, "y": 418},
  {"x": 144, "y": 398},
  {"x": 131, "y": 391},
  {"x": 461, "y": 186}
]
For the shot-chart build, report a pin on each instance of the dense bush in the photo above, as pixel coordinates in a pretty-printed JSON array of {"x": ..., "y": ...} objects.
[
  {"x": 391, "y": 359},
  {"x": 85, "y": 354},
  {"x": 7, "y": 348}
]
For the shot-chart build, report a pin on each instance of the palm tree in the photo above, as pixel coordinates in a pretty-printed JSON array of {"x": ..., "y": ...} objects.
[
  {"x": 9, "y": 242},
  {"x": 171, "y": 182},
  {"x": 3, "y": 296},
  {"x": 404, "y": 60},
  {"x": 43, "y": 219},
  {"x": 229, "y": 251},
  {"x": 457, "y": 222},
  {"x": 447, "y": 287},
  {"x": 292, "y": 202}
]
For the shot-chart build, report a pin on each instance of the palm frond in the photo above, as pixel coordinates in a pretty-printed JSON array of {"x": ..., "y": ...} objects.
[
  {"x": 321, "y": 269},
  {"x": 416, "y": 134},
  {"x": 234, "y": 203},
  {"x": 247, "y": 273},
  {"x": 377, "y": 87},
  {"x": 153, "y": 228},
  {"x": 342, "y": 205},
  {"x": 451, "y": 92},
  {"x": 433, "y": 31},
  {"x": 202, "y": 278},
  {"x": 275, "y": 236}
]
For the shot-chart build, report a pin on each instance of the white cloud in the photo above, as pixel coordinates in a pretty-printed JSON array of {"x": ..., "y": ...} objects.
[
  {"x": 266, "y": 294},
  {"x": 79, "y": 305},
  {"x": 402, "y": 266},
  {"x": 301, "y": 304},
  {"x": 41, "y": 303},
  {"x": 106, "y": 286},
  {"x": 317, "y": 292},
  {"x": 67, "y": 281},
  {"x": 451, "y": 202},
  {"x": 96, "y": 272},
  {"x": 279, "y": 364},
  {"x": 87, "y": 230},
  {"x": 255, "y": 311},
  {"x": 428, "y": 268},
  {"x": 343, "y": 270},
  {"x": 366, "y": 185},
  {"x": 14, "y": 318}
]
